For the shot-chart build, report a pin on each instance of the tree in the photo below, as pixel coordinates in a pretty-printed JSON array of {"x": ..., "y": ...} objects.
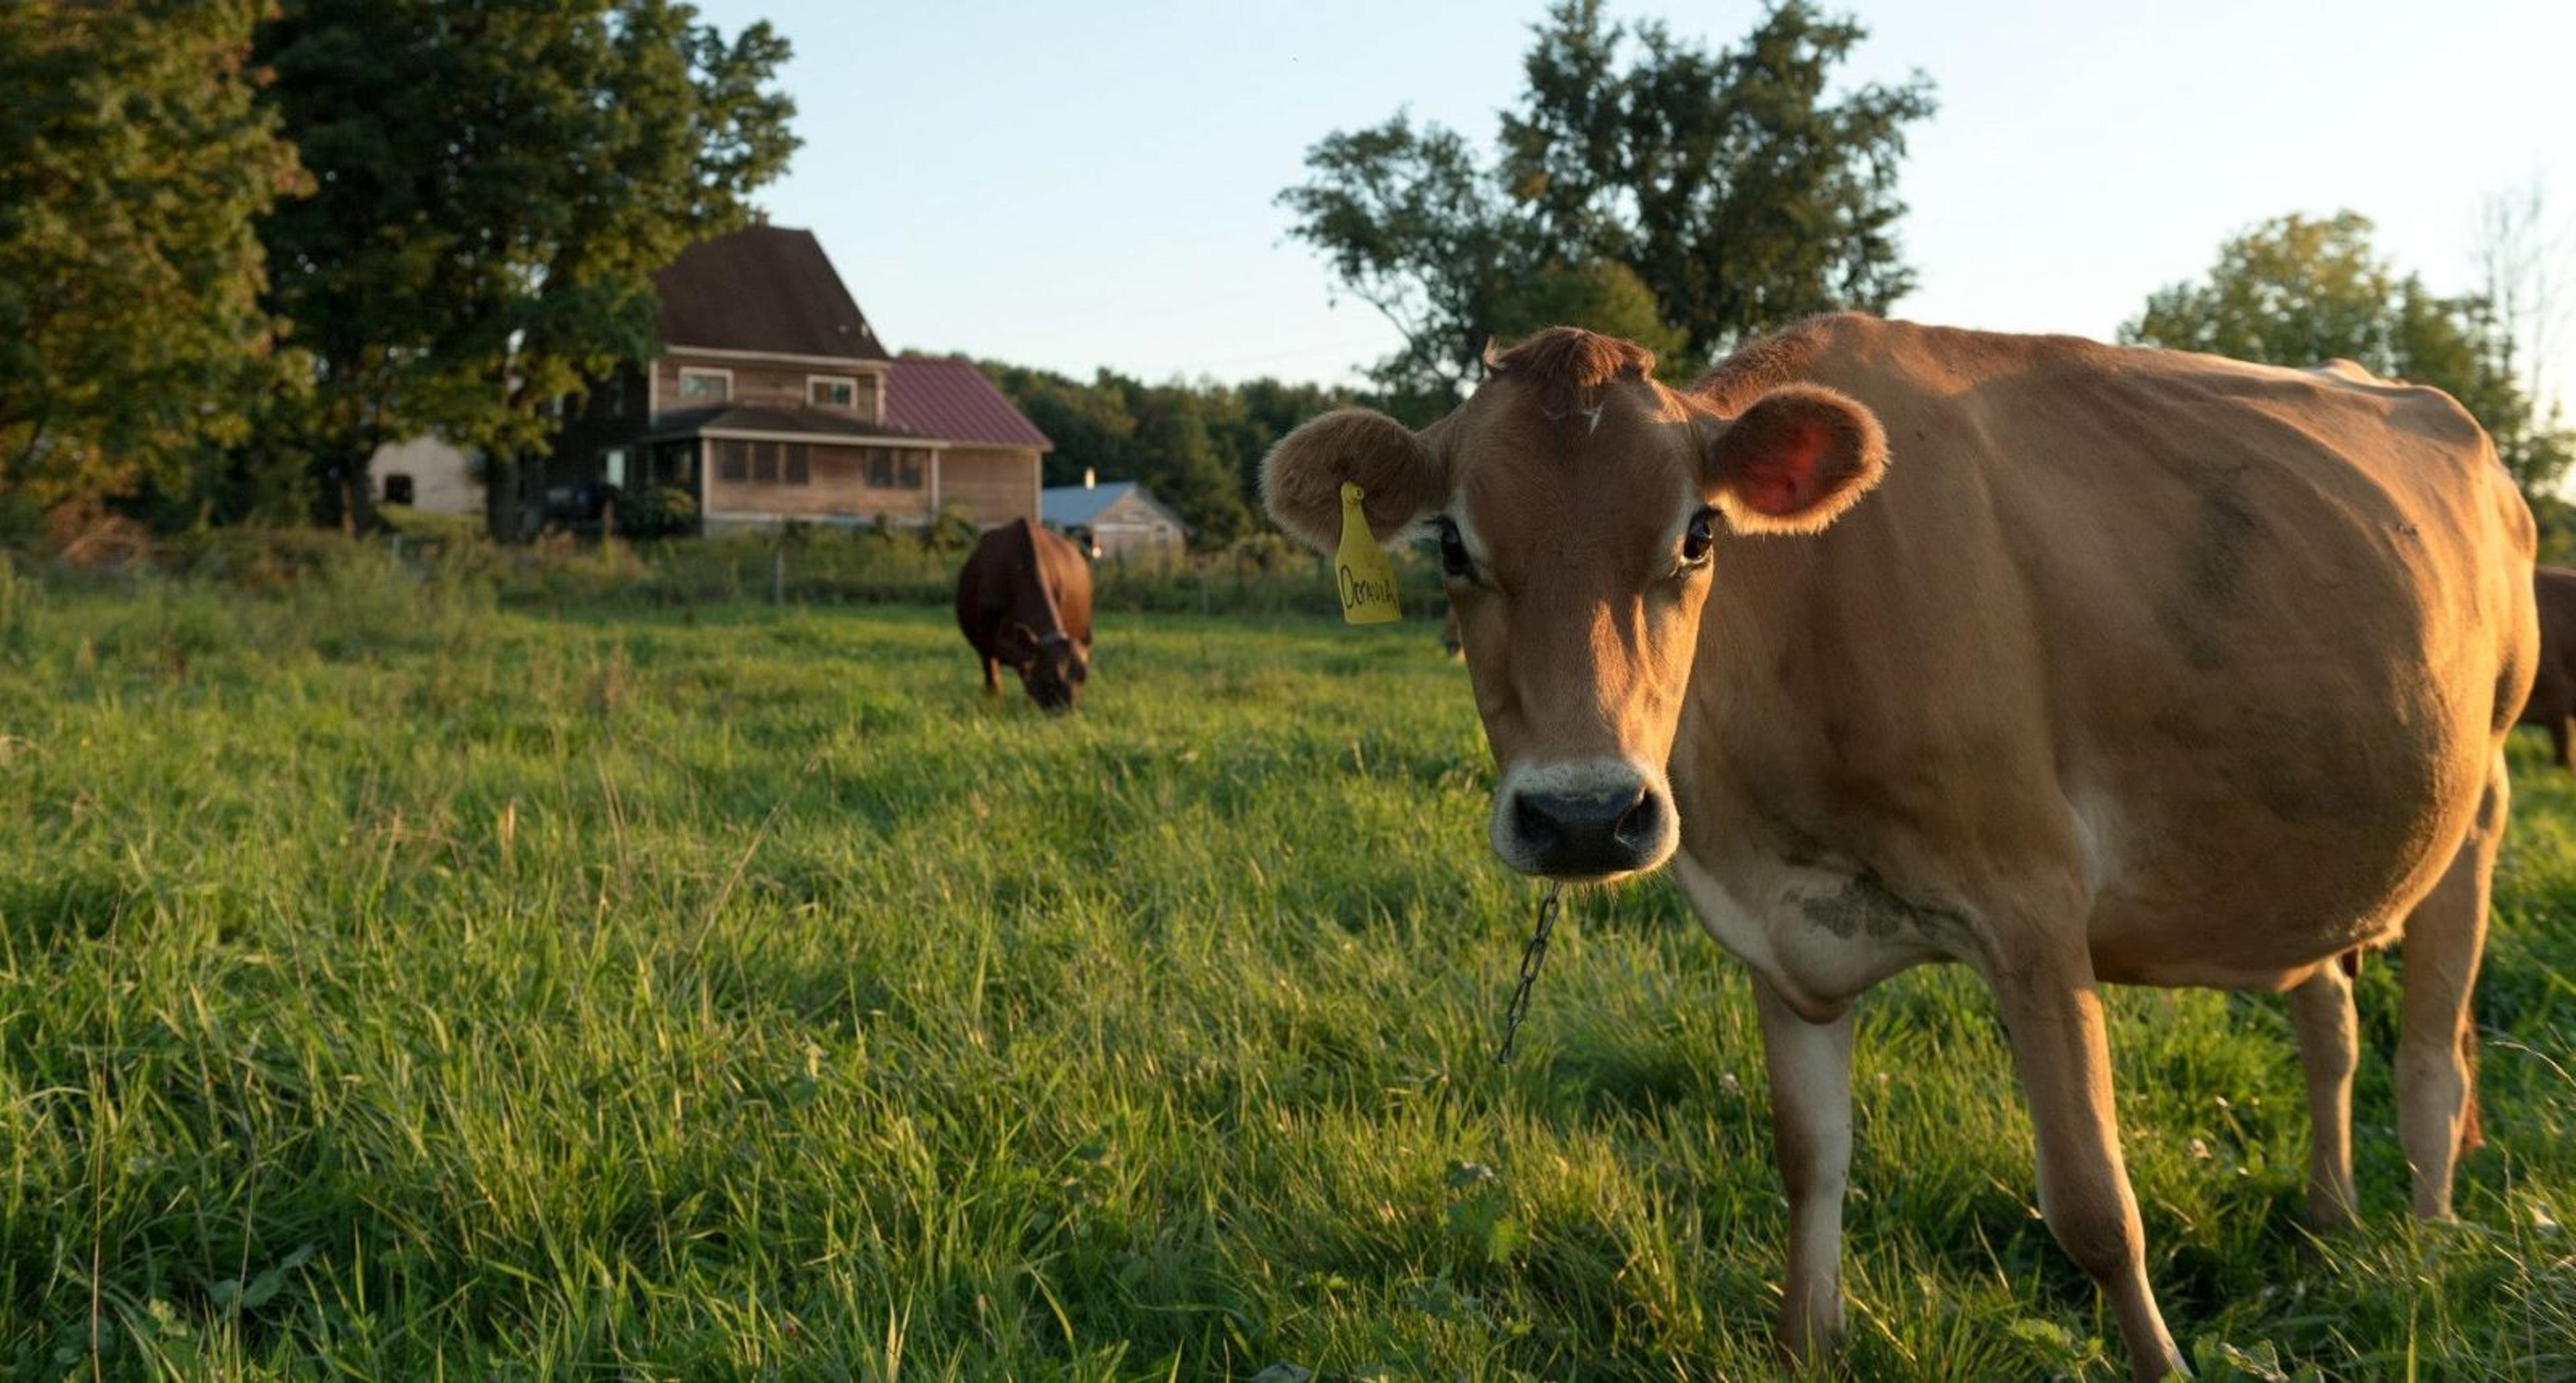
[
  {"x": 1674, "y": 196},
  {"x": 1177, "y": 459},
  {"x": 496, "y": 185},
  {"x": 2297, "y": 290},
  {"x": 1089, "y": 423},
  {"x": 133, "y": 160},
  {"x": 1198, "y": 447},
  {"x": 1415, "y": 226},
  {"x": 1726, "y": 181},
  {"x": 2524, "y": 267},
  {"x": 2524, "y": 263}
]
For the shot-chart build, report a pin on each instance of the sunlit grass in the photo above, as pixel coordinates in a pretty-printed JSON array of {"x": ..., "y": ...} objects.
[{"x": 393, "y": 985}]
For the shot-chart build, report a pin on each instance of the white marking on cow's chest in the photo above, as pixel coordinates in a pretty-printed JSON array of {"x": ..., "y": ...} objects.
[{"x": 1819, "y": 935}]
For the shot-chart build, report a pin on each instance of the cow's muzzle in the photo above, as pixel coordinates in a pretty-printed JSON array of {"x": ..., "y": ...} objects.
[{"x": 1583, "y": 821}]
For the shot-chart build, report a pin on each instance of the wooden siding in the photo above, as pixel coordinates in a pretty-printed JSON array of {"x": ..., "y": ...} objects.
[
  {"x": 1135, "y": 524},
  {"x": 768, "y": 385},
  {"x": 991, "y": 485},
  {"x": 838, "y": 488}
]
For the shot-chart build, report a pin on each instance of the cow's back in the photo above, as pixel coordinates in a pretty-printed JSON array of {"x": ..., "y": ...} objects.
[
  {"x": 1023, "y": 573},
  {"x": 2237, "y": 641},
  {"x": 1067, "y": 576}
]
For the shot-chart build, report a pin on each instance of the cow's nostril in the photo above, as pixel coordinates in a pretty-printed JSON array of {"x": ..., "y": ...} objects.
[
  {"x": 1639, "y": 825},
  {"x": 1537, "y": 829}
]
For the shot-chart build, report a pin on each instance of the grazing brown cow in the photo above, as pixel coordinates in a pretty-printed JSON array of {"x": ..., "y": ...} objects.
[
  {"x": 2069, "y": 663},
  {"x": 1024, "y": 602},
  {"x": 2553, "y": 692}
]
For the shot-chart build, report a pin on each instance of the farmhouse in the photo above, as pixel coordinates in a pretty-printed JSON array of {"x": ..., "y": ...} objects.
[
  {"x": 769, "y": 398},
  {"x": 1113, "y": 519}
]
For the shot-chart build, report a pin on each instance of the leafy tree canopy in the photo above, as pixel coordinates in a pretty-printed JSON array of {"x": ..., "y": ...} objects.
[
  {"x": 1645, "y": 186},
  {"x": 133, "y": 160},
  {"x": 2299, "y": 290},
  {"x": 495, "y": 185}
]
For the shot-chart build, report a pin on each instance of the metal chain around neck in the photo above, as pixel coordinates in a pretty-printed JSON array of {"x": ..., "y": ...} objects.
[{"x": 1532, "y": 957}]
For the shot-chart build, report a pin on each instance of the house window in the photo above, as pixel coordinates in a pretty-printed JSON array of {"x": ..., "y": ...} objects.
[
  {"x": 831, "y": 391},
  {"x": 889, "y": 469},
  {"x": 705, "y": 386},
  {"x": 398, "y": 489},
  {"x": 764, "y": 463},
  {"x": 612, "y": 466},
  {"x": 733, "y": 460},
  {"x": 798, "y": 469}
]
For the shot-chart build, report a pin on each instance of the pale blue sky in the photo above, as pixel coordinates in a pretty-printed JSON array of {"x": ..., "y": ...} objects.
[{"x": 1080, "y": 185}]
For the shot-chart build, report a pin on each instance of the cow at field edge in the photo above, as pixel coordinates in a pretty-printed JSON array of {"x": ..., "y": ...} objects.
[
  {"x": 1024, "y": 602},
  {"x": 2067, "y": 662},
  {"x": 2553, "y": 692}
]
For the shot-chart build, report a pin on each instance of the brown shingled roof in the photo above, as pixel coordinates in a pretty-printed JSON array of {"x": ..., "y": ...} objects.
[
  {"x": 953, "y": 400},
  {"x": 762, "y": 288}
]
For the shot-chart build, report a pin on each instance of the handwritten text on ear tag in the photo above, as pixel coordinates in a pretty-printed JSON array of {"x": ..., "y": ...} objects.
[{"x": 1360, "y": 568}]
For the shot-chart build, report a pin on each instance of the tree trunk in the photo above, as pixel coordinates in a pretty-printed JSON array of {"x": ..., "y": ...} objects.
[{"x": 501, "y": 497}]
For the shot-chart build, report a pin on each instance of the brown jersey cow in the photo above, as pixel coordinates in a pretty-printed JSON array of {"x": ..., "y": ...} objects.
[
  {"x": 2068, "y": 663},
  {"x": 1024, "y": 602},
  {"x": 2553, "y": 692}
]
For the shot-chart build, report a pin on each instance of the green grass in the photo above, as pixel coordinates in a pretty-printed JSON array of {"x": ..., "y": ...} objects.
[{"x": 393, "y": 984}]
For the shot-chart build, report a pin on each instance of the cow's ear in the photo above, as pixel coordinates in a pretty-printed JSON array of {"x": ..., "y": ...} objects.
[
  {"x": 1401, "y": 477},
  {"x": 1794, "y": 461},
  {"x": 1016, "y": 643}
]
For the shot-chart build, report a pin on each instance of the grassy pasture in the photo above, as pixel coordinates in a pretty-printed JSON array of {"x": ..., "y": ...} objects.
[{"x": 396, "y": 985}]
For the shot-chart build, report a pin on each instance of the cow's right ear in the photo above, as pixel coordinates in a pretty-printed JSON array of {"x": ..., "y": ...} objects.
[
  {"x": 1401, "y": 477},
  {"x": 1016, "y": 645}
]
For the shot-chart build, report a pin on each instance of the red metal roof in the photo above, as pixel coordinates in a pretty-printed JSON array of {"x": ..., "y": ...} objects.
[{"x": 951, "y": 400}]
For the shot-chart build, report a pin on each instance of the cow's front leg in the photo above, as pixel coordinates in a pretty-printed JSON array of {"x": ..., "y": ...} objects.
[
  {"x": 1811, "y": 1129},
  {"x": 2053, "y": 1017}
]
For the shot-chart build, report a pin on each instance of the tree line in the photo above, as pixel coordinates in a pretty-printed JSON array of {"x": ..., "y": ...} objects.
[
  {"x": 1689, "y": 198},
  {"x": 1196, "y": 446},
  {"x": 244, "y": 242}
]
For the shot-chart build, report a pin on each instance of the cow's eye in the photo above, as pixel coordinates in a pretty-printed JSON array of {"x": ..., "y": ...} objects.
[
  {"x": 1696, "y": 538},
  {"x": 1453, "y": 551}
]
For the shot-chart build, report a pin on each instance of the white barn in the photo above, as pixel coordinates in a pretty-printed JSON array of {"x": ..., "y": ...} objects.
[{"x": 1121, "y": 517}]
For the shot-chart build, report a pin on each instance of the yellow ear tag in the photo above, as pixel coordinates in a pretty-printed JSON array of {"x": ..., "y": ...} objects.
[{"x": 1360, "y": 569}]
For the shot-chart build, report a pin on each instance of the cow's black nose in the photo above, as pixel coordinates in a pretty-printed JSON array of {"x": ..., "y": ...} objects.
[{"x": 1589, "y": 834}]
